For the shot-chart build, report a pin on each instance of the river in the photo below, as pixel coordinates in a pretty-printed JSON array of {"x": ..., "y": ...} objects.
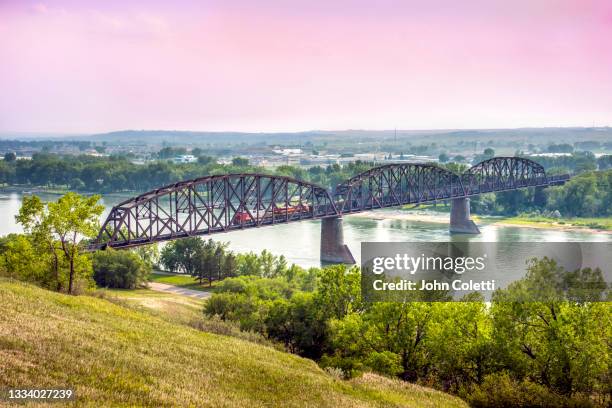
[{"x": 299, "y": 242}]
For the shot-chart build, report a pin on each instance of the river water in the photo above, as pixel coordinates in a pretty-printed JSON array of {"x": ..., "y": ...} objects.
[{"x": 299, "y": 242}]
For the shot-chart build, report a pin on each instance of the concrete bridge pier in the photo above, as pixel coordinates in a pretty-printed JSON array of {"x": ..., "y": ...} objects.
[
  {"x": 460, "y": 221},
  {"x": 333, "y": 249}
]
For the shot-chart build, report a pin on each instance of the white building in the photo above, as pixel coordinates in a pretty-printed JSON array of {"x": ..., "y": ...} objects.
[{"x": 185, "y": 158}]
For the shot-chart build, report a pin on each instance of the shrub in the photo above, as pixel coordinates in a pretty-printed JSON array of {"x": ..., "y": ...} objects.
[
  {"x": 233, "y": 307},
  {"x": 120, "y": 269},
  {"x": 350, "y": 367},
  {"x": 336, "y": 373},
  {"x": 384, "y": 362},
  {"x": 500, "y": 390}
]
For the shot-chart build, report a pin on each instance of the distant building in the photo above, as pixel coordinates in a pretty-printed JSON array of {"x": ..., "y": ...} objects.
[
  {"x": 288, "y": 152},
  {"x": 185, "y": 158},
  {"x": 550, "y": 154}
]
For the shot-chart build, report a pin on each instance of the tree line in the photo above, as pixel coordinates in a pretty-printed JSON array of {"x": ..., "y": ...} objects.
[
  {"x": 208, "y": 260},
  {"x": 588, "y": 194},
  {"x": 118, "y": 173}
]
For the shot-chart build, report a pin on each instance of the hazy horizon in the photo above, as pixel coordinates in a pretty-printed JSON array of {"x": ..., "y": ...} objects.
[{"x": 322, "y": 132}]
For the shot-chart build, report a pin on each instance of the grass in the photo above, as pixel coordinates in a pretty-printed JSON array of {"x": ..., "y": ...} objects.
[
  {"x": 603, "y": 223},
  {"x": 172, "y": 307},
  {"x": 114, "y": 354},
  {"x": 181, "y": 280}
]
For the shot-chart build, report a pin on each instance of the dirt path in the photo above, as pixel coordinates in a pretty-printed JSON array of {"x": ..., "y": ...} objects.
[{"x": 163, "y": 287}]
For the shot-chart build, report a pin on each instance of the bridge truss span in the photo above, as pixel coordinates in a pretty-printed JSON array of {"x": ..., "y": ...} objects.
[
  {"x": 503, "y": 173},
  {"x": 213, "y": 204},
  {"x": 228, "y": 202},
  {"x": 397, "y": 184}
]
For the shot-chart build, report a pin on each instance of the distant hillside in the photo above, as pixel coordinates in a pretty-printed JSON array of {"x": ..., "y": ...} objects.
[
  {"x": 539, "y": 135},
  {"x": 118, "y": 355}
]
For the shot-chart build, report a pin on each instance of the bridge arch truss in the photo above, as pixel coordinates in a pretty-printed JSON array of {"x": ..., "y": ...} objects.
[
  {"x": 397, "y": 184},
  {"x": 503, "y": 173},
  {"x": 213, "y": 204}
]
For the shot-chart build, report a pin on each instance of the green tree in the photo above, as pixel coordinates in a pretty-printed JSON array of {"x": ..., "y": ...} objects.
[
  {"x": 266, "y": 260},
  {"x": 240, "y": 161},
  {"x": 605, "y": 162},
  {"x": 180, "y": 255},
  {"x": 149, "y": 254},
  {"x": 230, "y": 265},
  {"x": 298, "y": 324},
  {"x": 70, "y": 218},
  {"x": 579, "y": 196},
  {"x": 20, "y": 259},
  {"x": 546, "y": 328},
  {"x": 339, "y": 291},
  {"x": 205, "y": 160},
  {"x": 459, "y": 342},
  {"x": 249, "y": 264},
  {"x": 33, "y": 216},
  {"x": 62, "y": 225},
  {"x": 10, "y": 157},
  {"x": 488, "y": 153},
  {"x": 120, "y": 269},
  {"x": 400, "y": 328}
]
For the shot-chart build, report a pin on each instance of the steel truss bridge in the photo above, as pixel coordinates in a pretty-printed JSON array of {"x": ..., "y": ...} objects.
[{"x": 228, "y": 202}]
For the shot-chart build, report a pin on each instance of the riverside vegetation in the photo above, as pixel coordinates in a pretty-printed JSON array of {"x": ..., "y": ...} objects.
[{"x": 505, "y": 353}]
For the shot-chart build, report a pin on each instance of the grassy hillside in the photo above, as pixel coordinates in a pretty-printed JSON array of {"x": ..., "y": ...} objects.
[{"x": 115, "y": 354}]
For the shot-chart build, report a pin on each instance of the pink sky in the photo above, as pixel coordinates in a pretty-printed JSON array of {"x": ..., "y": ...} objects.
[{"x": 96, "y": 66}]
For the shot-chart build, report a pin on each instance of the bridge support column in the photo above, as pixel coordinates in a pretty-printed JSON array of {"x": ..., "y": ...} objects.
[
  {"x": 460, "y": 221},
  {"x": 333, "y": 249}
]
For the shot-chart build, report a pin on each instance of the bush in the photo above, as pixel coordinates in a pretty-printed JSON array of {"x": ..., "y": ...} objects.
[
  {"x": 235, "y": 307},
  {"x": 214, "y": 324},
  {"x": 384, "y": 362},
  {"x": 120, "y": 269},
  {"x": 500, "y": 390},
  {"x": 350, "y": 367}
]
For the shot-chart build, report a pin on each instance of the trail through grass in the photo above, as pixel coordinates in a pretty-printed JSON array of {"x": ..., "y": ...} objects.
[{"x": 181, "y": 280}]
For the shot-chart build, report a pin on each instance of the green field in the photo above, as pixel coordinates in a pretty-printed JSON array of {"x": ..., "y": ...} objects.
[{"x": 132, "y": 350}]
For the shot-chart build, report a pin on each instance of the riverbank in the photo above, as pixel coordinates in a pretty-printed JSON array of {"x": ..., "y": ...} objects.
[
  {"x": 594, "y": 225},
  {"x": 27, "y": 189}
]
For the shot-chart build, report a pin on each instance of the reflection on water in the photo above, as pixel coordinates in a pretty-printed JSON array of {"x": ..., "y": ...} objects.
[{"x": 299, "y": 242}]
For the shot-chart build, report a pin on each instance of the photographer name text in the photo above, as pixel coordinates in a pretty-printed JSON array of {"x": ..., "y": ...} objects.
[{"x": 457, "y": 284}]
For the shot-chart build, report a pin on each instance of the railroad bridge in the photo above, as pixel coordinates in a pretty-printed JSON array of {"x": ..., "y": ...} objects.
[{"x": 228, "y": 202}]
